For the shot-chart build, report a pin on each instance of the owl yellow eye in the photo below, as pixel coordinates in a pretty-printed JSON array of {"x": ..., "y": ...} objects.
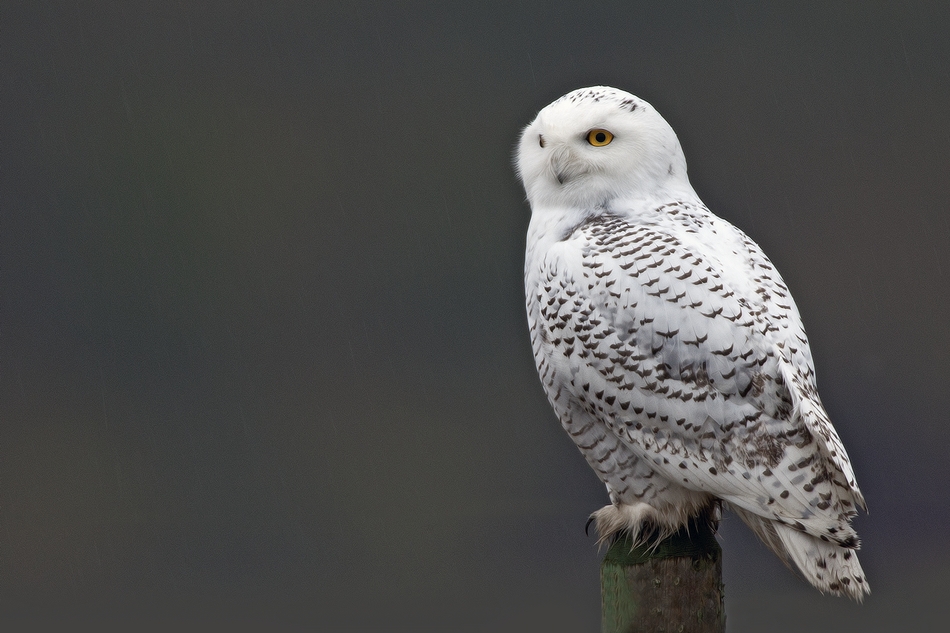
[{"x": 599, "y": 138}]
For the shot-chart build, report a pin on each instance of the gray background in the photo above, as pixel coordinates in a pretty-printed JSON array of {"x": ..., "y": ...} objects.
[{"x": 263, "y": 355}]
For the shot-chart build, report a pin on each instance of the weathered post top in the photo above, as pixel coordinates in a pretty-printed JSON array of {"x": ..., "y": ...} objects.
[{"x": 673, "y": 585}]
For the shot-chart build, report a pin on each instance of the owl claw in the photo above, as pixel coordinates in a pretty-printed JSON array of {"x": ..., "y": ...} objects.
[{"x": 590, "y": 520}]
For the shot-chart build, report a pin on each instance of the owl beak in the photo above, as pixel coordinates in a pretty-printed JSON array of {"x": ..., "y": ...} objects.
[{"x": 564, "y": 165}]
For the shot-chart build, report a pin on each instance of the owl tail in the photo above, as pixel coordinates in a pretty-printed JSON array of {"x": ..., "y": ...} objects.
[{"x": 830, "y": 567}]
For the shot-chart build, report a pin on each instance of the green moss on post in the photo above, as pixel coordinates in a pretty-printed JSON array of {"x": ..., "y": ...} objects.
[{"x": 675, "y": 585}]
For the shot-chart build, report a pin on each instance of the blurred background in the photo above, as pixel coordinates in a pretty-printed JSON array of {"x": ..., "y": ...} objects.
[{"x": 264, "y": 362}]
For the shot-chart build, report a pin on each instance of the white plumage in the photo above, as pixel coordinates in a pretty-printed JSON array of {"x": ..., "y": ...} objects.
[{"x": 669, "y": 346}]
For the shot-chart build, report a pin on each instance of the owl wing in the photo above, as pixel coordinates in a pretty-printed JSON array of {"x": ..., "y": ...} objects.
[{"x": 711, "y": 384}]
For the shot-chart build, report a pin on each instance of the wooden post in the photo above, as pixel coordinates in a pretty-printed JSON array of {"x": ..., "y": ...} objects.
[{"x": 675, "y": 585}]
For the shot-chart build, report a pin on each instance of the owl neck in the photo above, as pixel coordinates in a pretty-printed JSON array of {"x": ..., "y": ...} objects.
[{"x": 552, "y": 223}]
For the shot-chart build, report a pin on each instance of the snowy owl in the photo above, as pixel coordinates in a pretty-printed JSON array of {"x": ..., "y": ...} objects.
[{"x": 669, "y": 346}]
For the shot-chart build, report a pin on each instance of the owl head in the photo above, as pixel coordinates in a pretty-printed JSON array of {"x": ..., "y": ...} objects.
[{"x": 597, "y": 145}]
